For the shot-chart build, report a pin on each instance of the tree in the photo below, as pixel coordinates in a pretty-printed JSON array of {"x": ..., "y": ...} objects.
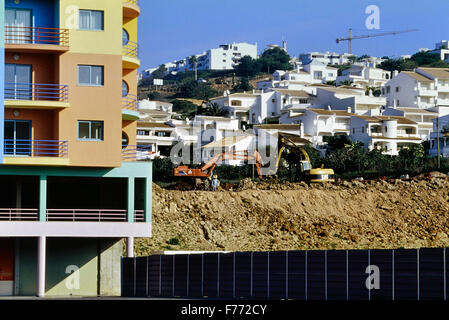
[
  {"x": 195, "y": 90},
  {"x": 275, "y": 59},
  {"x": 193, "y": 60},
  {"x": 160, "y": 72},
  {"x": 214, "y": 110},
  {"x": 244, "y": 85},
  {"x": 248, "y": 67}
]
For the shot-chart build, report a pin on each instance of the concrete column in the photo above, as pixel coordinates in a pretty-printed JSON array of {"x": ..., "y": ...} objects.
[
  {"x": 19, "y": 193},
  {"x": 148, "y": 199},
  {"x": 130, "y": 247},
  {"x": 41, "y": 264},
  {"x": 130, "y": 209},
  {"x": 42, "y": 198}
]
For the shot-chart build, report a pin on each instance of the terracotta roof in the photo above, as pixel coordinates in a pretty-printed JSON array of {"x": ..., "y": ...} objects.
[
  {"x": 400, "y": 120},
  {"x": 440, "y": 73},
  {"x": 279, "y": 126},
  {"x": 141, "y": 124},
  {"x": 295, "y": 93},
  {"x": 417, "y": 110},
  {"x": 417, "y": 76},
  {"x": 331, "y": 112}
]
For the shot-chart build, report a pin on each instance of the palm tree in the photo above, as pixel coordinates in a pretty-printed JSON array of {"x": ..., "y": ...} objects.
[
  {"x": 193, "y": 60},
  {"x": 216, "y": 111}
]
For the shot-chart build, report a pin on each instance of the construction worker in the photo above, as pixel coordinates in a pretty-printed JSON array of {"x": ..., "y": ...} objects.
[
  {"x": 207, "y": 183},
  {"x": 215, "y": 183}
]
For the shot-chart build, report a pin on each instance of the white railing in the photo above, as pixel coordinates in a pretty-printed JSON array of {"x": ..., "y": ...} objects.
[{"x": 18, "y": 214}]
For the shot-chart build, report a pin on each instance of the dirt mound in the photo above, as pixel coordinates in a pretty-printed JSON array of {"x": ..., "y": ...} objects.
[{"x": 273, "y": 216}]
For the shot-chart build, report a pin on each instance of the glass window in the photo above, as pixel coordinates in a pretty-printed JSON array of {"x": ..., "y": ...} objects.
[
  {"x": 90, "y": 130},
  {"x": 125, "y": 88},
  {"x": 125, "y": 37},
  {"x": 91, "y": 20},
  {"x": 125, "y": 140},
  {"x": 90, "y": 75}
]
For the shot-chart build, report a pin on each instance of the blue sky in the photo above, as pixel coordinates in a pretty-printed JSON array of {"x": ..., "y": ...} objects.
[{"x": 174, "y": 29}]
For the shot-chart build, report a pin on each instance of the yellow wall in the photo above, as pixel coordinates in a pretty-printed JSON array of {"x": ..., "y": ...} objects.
[{"x": 108, "y": 41}]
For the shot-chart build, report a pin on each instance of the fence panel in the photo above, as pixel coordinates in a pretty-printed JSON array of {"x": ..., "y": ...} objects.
[
  {"x": 431, "y": 274},
  {"x": 405, "y": 274},
  {"x": 278, "y": 275},
  {"x": 243, "y": 269},
  {"x": 383, "y": 259},
  {"x": 316, "y": 275},
  {"x": 260, "y": 275},
  {"x": 297, "y": 275},
  {"x": 154, "y": 276},
  {"x": 226, "y": 279},
  {"x": 357, "y": 263},
  {"x": 336, "y": 275},
  {"x": 211, "y": 275},
  {"x": 141, "y": 277},
  {"x": 195, "y": 287},
  {"x": 302, "y": 275}
]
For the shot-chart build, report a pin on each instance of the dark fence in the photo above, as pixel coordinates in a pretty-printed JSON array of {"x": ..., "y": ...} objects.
[{"x": 403, "y": 274}]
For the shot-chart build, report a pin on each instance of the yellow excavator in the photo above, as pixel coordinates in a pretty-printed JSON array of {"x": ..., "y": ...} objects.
[{"x": 295, "y": 144}]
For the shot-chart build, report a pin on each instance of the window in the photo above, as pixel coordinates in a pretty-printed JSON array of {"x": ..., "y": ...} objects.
[
  {"x": 143, "y": 133},
  {"x": 318, "y": 75},
  {"x": 397, "y": 89},
  {"x": 125, "y": 37},
  {"x": 388, "y": 89},
  {"x": 90, "y": 130},
  {"x": 90, "y": 75},
  {"x": 125, "y": 88},
  {"x": 91, "y": 20},
  {"x": 273, "y": 100},
  {"x": 125, "y": 140},
  {"x": 353, "y": 130}
]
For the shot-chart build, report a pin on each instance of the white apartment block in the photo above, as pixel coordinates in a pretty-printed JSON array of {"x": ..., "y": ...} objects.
[
  {"x": 386, "y": 133},
  {"x": 349, "y": 99},
  {"x": 159, "y": 137},
  {"x": 325, "y": 57},
  {"x": 423, "y": 88},
  {"x": 362, "y": 76},
  {"x": 440, "y": 134},
  {"x": 442, "y": 48},
  {"x": 238, "y": 104},
  {"x": 423, "y": 117},
  {"x": 297, "y": 79}
]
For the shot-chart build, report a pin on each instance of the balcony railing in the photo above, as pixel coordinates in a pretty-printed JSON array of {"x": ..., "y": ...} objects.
[
  {"x": 139, "y": 216},
  {"x": 130, "y": 102},
  {"x": 36, "y": 148},
  {"x": 86, "y": 215},
  {"x": 18, "y": 214},
  {"x": 131, "y": 49},
  {"x": 136, "y": 153},
  {"x": 36, "y": 92},
  {"x": 36, "y": 35}
]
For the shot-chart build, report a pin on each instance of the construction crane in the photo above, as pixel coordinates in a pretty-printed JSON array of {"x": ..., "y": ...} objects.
[{"x": 351, "y": 37}]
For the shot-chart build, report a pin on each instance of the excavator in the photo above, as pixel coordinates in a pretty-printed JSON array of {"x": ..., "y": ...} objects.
[
  {"x": 208, "y": 168},
  {"x": 287, "y": 142},
  {"x": 293, "y": 143}
]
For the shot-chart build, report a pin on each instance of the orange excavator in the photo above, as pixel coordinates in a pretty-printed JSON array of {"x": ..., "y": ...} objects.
[{"x": 208, "y": 168}]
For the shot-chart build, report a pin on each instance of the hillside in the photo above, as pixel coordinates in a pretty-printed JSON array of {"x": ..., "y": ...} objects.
[{"x": 271, "y": 216}]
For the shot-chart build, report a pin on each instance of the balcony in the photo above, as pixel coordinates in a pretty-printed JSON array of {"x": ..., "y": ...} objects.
[
  {"x": 17, "y": 214},
  {"x": 130, "y": 55},
  {"x": 36, "y": 152},
  {"x": 131, "y": 9},
  {"x": 130, "y": 107},
  {"x": 136, "y": 153},
  {"x": 70, "y": 215},
  {"x": 37, "y": 39},
  {"x": 36, "y": 96}
]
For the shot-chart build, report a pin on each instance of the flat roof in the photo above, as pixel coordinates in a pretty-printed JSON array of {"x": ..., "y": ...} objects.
[
  {"x": 141, "y": 124},
  {"x": 331, "y": 112},
  {"x": 279, "y": 126},
  {"x": 225, "y": 142}
]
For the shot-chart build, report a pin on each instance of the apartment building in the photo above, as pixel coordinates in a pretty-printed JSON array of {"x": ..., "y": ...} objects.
[
  {"x": 350, "y": 99},
  {"x": 325, "y": 57},
  {"x": 422, "y": 88},
  {"x": 362, "y": 76},
  {"x": 423, "y": 117},
  {"x": 442, "y": 48},
  {"x": 68, "y": 115},
  {"x": 386, "y": 133}
]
